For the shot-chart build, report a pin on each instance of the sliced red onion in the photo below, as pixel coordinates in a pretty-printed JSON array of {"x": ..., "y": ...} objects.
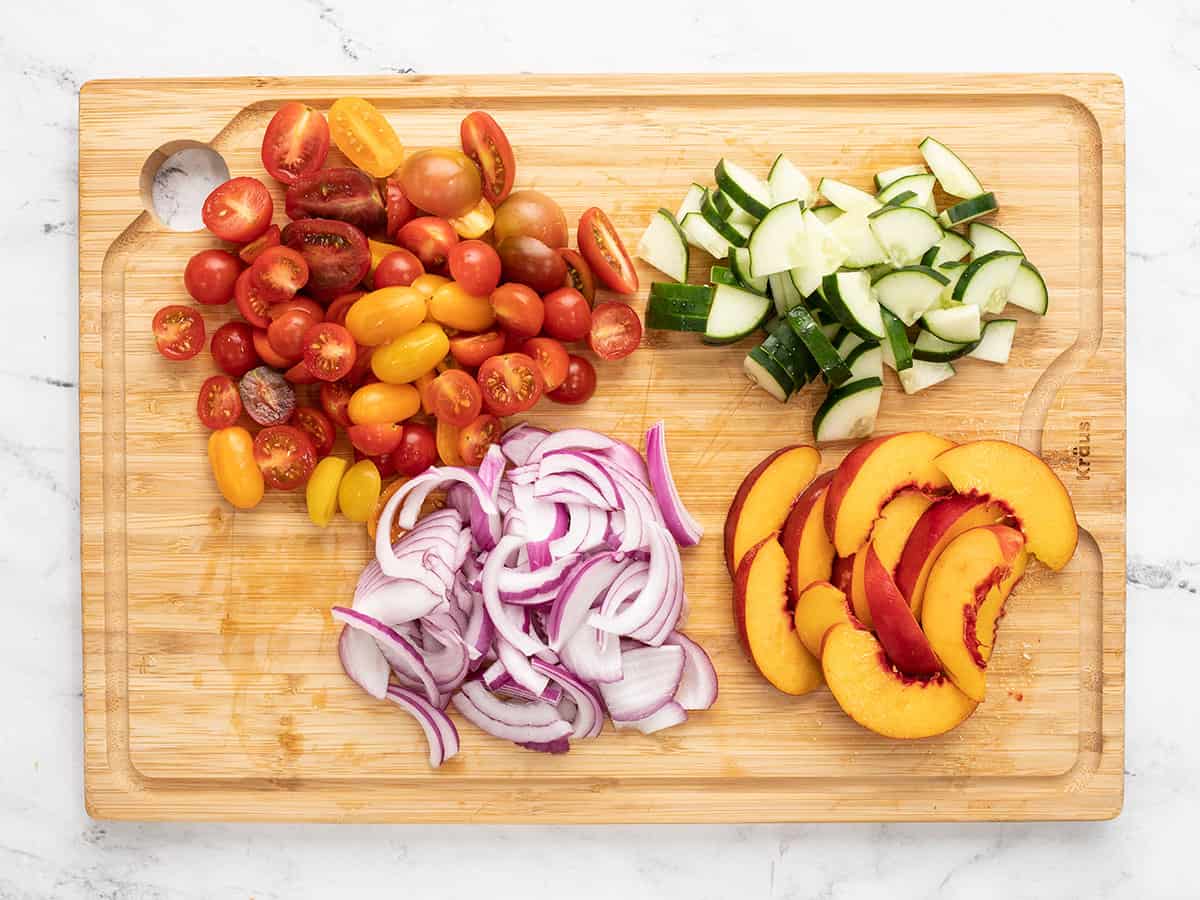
[
  {"x": 363, "y": 661},
  {"x": 562, "y": 745},
  {"x": 623, "y": 455},
  {"x": 523, "y": 476},
  {"x": 561, "y": 462},
  {"x": 485, "y": 527},
  {"x": 579, "y": 518},
  {"x": 588, "y": 720},
  {"x": 527, "y": 644},
  {"x": 398, "y": 652},
  {"x": 519, "y": 668},
  {"x": 536, "y": 722},
  {"x": 479, "y": 631},
  {"x": 649, "y": 679},
  {"x": 449, "y": 660},
  {"x": 615, "y": 615},
  {"x": 518, "y": 442},
  {"x": 517, "y": 586},
  {"x": 414, "y": 492},
  {"x": 504, "y": 498},
  {"x": 570, "y": 439},
  {"x": 666, "y": 616},
  {"x": 440, "y": 732},
  {"x": 668, "y": 715},
  {"x": 593, "y": 655},
  {"x": 698, "y": 685},
  {"x": 570, "y": 487},
  {"x": 396, "y": 600},
  {"x": 681, "y": 523},
  {"x": 458, "y": 499},
  {"x": 507, "y": 688},
  {"x": 587, "y": 583}
]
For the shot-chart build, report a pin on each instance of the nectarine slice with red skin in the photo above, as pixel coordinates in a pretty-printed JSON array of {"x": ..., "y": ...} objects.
[
  {"x": 760, "y": 608},
  {"x": 1026, "y": 487},
  {"x": 888, "y": 537},
  {"x": 940, "y": 524},
  {"x": 964, "y": 600},
  {"x": 877, "y": 696},
  {"x": 820, "y": 607},
  {"x": 843, "y": 574},
  {"x": 899, "y": 633},
  {"x": 765, "y": 497},
  {"x": 871, "y": 475},
  {"x": 809, "y": 553}
]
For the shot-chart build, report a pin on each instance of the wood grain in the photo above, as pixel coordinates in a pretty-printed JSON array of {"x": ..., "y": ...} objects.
[{"x": 211, "y": 685}]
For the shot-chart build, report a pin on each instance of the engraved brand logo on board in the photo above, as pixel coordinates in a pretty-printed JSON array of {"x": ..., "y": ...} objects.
[{"x": 1083, "y": 452}]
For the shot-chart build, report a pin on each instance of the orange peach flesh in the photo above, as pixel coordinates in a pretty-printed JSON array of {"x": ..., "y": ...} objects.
[
  {"x": 765, "y": 498},
  {"x": 819, "y": 608},
  {"x": 891, "y": 532},
  {"x": 808, "y": 550}
]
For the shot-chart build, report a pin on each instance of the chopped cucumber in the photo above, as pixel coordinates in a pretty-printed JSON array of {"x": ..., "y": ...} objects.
[
  {"x": 1028, "y": 289},
  {"x": 827, "y": 214},
  {"x": 985, "y": 281},
  {"x": 768, "y": 374},
  {"x": 739, "y": 262},
  {"x": 902, "y": 199},
  {"x": 951, "y": 248},
  {"x": 853, "y": 230},
  {"x": 692, "y": 201},
  {"x": 953, "y": 271},
  {"x": 919, "y": 186},
  {"x": 924, "y": 374},
  {"x": 735, "y": 313},
  {"x": 744, "y": 189},
  {"x": 897, "y": 352},
  {"x": 958, "y": 324},
  {"x": 930, "y": 348},
  {"x": 734, "y": 232},
  {"x": 910, "y": 291},
  {"x": 987, "y": 238},
  {"x": 769, "y": 325},
  {"x": 847, "y": 198},
  {"x": 848, "y": 413},
  {"x": 891, "y": 176},
  {"x": 778, "y": 242},
  {"x": 700, "y": 234},
  {"x": 844, "y": 342},
  {"x": 835, "y": 332},
  {"x": 825, "y": 254},
  {"x": 691, "y": 299},
  {"x": 968, "y": 210},
  {"x": 783, "y": 292},
  {"x": 905, "y": 233},
  {"x": 954, "y": 175},
  {"x": 818, "y": 345},
  {"x": 783, "y": 346},
  {"x": 721, "y": 275},
  {"x": 786, "y": 182},
  {"x": 996, "y": 342},
  {"x": 664, "y": 245},
  {"x": 865, "y": 361},
  {"x": 848, "y": 295},
  {"x": 665, "y": 320}
]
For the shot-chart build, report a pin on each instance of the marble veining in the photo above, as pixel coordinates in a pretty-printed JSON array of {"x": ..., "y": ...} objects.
[{"x": 49, "y": 847}]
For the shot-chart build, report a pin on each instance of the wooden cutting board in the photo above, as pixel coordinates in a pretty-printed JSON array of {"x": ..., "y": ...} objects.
[{"x": 212, "y": 688}]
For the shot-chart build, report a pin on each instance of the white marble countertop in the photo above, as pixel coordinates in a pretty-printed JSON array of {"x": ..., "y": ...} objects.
[{"x": 49, "y": 847}]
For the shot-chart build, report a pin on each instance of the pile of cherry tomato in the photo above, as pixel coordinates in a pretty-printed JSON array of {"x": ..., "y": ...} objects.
[{"x": 411, "y": 301}]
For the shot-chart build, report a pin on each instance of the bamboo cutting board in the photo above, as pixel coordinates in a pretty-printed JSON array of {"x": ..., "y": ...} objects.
[{"x": 212, "y": 688}]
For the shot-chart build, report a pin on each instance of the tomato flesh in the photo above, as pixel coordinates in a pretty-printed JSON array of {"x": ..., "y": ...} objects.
[
  {"x": 476, "y": 266},
  {"x": 511, "y": 383},
  {"x": 430, "y": 239},
  {"x": 335, "y": 402},
  {"x": 267, "y": 397},
  {"x": 238, "y": 210},
  {"x": 218, "y": 404},
  {"x": 251, "y": 251},
  {"x": 456, "y": 397},
  {"x": 337, "y": 254},
  {"x": 616, "y": 331},
  {"x": 579, "y": 385},
  {"x": 579, "y": 274},
  {"x": 602, "y": 248},
  {"x": 472, "y": 349},
  {"x": 477, "y": 436},
  {"x": 278, "y": 273},
  {"x": 342, "y": 193},
  {"x": 210, "y": 276},
  {"x": 285, "y": 456},
  {"x": 296, "y": 142},
  {"x": 329, "y": 351},
  {"x": 568, "y": 315},
  {"x": 485, "y": 142},
  {"x": 320, "y": 430},
  {"x": 365, "y": 137},
  {"x": 178, "y": 332},
  {"x": 233, "y": 349},
  {"x": 551, "y": 358},
  {"x": 417, "y": 450},
  {"x": 251, "y": 301}
]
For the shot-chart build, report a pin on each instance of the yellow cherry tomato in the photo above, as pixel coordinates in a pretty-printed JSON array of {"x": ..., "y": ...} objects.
[
  {"x": 364, "y": 136},
  {"x": 381, "y": 404},
  {"x": 387, "y": 313},
  {"x": 408, "y": 357},
  {"x": 231, "y": 455},
  {"x": 476, "y": 221},
  {"x": 321, "y": 492},
  {"x": 428, "y": 283},
  {"x": 359, "y": 491},
  {"x": 453, "y": 306},
  {"x": 447, "y": 443},
  {"x": 423, "y": 382}
]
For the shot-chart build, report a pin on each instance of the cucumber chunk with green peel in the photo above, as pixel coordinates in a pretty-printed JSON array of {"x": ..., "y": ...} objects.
[
  {"x": 735, "y": 313},
  {"x": 825, "y": 254},
  {"x": 968, "y": 210},
  {"x": 902, "y": 199},
  {"x": 908, "y": 292},
  {"x": 987, "y": 238},
  {"x": 722, "y": 275},
  {"x": 664, "y": 245},
  {"x": 848, "y": 413},
  {"x": 846, "y": 197},
  {"x": 953, "y": 271},
  {"x": 904, "y": 233},
  {"x": 1028, "y": 289},
  {"x": 954, "y": 175},
  {"x": 958, "y": 324},
  {"x": 739, "y": 263},
  {"x": 985, "y": 281},
  {"x": 702, "y": 235},
  {"x": 778, "y": 242},
  {"x": 890, "y": 176},
  {"x": 736, "y": 233},
  {"x": 854, "y": 232},
  {"x": 685, "y": 298},
  {"x": 744, "y": 189},
  {"x": 844, "y": 342},
  {"x": 849, "y": 297},
  {"x": 783, "y": 292},
  {"x": 897, "y": 351},
  {"x": 924, "y": 375},
  {"x": 953, "y": 247},
  {"x": 827, "y": 213},
  {"x": 783, "y": 346},
  {"x": 786, "y": 182},
  {"x": 835, "y": 332},
  {"x": 768, "y": 374},
  {"x": 918, "y": 188},
  {"x": 930, "y": 348},
  {"x": 692, "y": 201},
  {"x": 832, "y": 366},
  {"x": 997, "y": 340},
  {"x": 661, "y": 319},
  {"x": 864, "y": 361}
]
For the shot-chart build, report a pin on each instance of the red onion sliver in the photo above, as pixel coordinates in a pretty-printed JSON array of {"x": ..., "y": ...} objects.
[
  {"x": 398, "y": 652},
  {"x": 682, "y": 524},
  {"x": 518, "y": 442},
  {"x": 588, "y": 720},
  {"x": 649, "y": 679},
  {"x": 561, "y": 462},
  {"x": 519, "y": 722},
  {"x": 593, "y": 655},
  {"x": 440, "y": 732},
  {"x": 698, "y": 685},
  {"x": 587, "y": 582},
  {"x": 570, "y": 439},
  {"x": 668, "y": 715},
  {"x": 527, "y": 644},
  {"x": 519, "y": 669},
  {"x": 623, "y": 455},
  {"x": 363, "y": 661}
]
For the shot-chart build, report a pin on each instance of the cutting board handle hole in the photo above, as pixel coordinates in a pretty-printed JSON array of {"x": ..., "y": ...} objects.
[{"x": 176, "y": 178}]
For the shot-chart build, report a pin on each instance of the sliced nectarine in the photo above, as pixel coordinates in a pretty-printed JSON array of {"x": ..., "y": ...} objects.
[
  {"x": 760, "y": 607},
  {"x": 819, "y": 608},
  {"x": 809, "y": 553},
  {"x": 1027, "y": 488},
  {"x": 875, "y": 695},
  {"x": 762, "y": 503},
  {"x": 902, "y": 638},
  {"x": 938, "y": 526},
  {"x": 964, "y": 599},
  {"x": 871, "y": 475},
  {"x": 888, "y": 537},
  {"x": 843, "y": 574}
]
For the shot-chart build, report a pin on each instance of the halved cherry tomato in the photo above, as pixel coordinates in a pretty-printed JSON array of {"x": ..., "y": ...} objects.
[
  {"x": 616, "y": 331},
  {"x": 526, "y": 260},
  {"x": 233, "y": 349},
  {"x": 335, "y": 401},
  {"x": 267, "y": 397},
  {"x": 384, "y": 497},
  {"x": 399, "y": 208},
  {"x": 336, "y": 311},
  {"x": 340, "y": 192},
  {"x": 251, "y": 302},
  {"x": 329, "y": 351},
  {"x": 310, "y": 308},
  {"x": 417, "y": 450},
  {"x": 219, "y": 403},
  {"x": 485, "y": 142},
  {"x": 358, "y": 493},
  {"x": 178, "y": 332},
  {"x": 511, "y": 383},
  {"x": 476, "y": 266},
  {"x": 383, "y": 463},
  {"x": 238, "y": 210},
  {"x": 296, "y": 142},
  {"x": 320, "y": 430},
  {"x": 300, "y": 374},
  {"x": 601, "y": 246},
  {"x": 568, "y": 315},
  {"x": 477, "y": 436},
  {"x": 443, "y": 181},
  {"x": 267, "y": 353},
  {"x": 532, "y": 214},
  {"x": 430, "y": 238},
  {"x": 285, "y": 455},
  {"x": 321, "y": 492},
  {"x": 265, "y": 241},
  {"x": 286, "y": 334},
  {"x": 377, "y": 439},
  {"x": 210, "y": 275},
  {"x": 456, "y": 398},
  {"x": 360, "y": 373},
  {"x": 454, "y": 307},
  {"x": 365, "y": 137},
  {"x": 551, "y": 358},
  {"x": 411, "y": 355},
  {"x": 513, "y": 342},
  {"x": 447, "y": 443},
  {"x": 429, "y": 283},
  {"x": 579, "y": 274},
  {"x": 399, "y": 268},
  {"x": 336, "y": 252},
  {"x": 424, "y": 385},
  {"x": 384, "y": 314},
  {"x": 472, "y": 349},
  {"x": 382, "y": 404},
  {"x": 518, "y": 309},
  {"x": 231, "y": 455},
  {"x": 279, "y": 272},
  {"x": 580, "y": 383},
  {"x": 475, "y": 222}
]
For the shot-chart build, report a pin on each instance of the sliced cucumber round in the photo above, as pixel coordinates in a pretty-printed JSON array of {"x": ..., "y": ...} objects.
[
  {"x": 905, "y": 233},
  {"x": 924, "y": 375},
  {"x": 848, "y": 295},
  {"x": 739, "y": 263},
  {"x": 1028, "y": 289},
  {"x": 987, "y": 238},
  {"x": 735, "y": 313},
  {"x": 954, "y": 175},
  {"x": 910, "y": 291},
  {"x": 996, "y": 342},
  {"x": 897, "y": 351},
  {"x": 664, "y": 245},
  {"x": 768, "y": 374},
  {"x": 958, "y": 324},
  {"x": 891, "y": 176},
  {"x": 743, "y": 188},
  {"x": 778, "y": 242},
  {"x": 931, "y": 348},
  {"x": 848, "y": 413},
  {"x": 968, "y": 210},
  {"x": 786, "y": 182},
  {"x": 985, "y": 281},
  {"x": 847, "y": 198},
  {"x": 951, "y": 248}
]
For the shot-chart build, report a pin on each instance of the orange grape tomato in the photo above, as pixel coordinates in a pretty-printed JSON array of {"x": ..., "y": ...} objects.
[
  {"x": 373, "y": 522},
  {"x": 447, "y": 443},
  {"x": 428, "y": 283},
  {"x": 231, "y": 455},
  {"x": 423, "y": 383},
  {"x": 408, "y": 357},
  {"x": 364, "y": 136},
  {"x": 453, "y": 306},
  {"x": 387, "y": 313},
  {"x": 379, "y": 403},
  {"x": 359, "y": 491}
]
